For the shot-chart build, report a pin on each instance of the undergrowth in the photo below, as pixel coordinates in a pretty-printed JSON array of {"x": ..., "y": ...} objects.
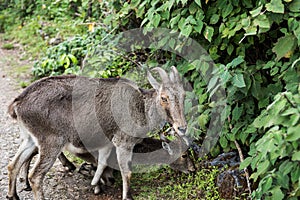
[{"x": 166, "y": 183}]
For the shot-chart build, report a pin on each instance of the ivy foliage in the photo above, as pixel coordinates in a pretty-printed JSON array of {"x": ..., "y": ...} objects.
[
  {"x": 275, "y": 156},
  {"x": 255, "y": 46}
]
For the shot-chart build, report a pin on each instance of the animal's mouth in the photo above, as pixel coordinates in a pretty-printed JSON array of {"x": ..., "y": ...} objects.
[{"x": 173, "y": 132}]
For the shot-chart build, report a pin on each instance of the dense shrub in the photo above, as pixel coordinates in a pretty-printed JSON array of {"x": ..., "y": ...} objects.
[{"x": 255, "y": 45}]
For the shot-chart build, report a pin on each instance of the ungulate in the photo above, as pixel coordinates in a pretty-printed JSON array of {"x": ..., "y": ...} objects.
[
  {"x": 81, "y": 115},
  {"x": 148, "y": 148}
]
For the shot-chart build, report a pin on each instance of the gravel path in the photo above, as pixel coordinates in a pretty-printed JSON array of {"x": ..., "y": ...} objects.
[{"x": 58, "y": 184}]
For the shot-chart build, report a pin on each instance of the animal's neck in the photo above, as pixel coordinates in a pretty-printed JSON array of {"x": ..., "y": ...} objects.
[{"x": 154, "y": 112}]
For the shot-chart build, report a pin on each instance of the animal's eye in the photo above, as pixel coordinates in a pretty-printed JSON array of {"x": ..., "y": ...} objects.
[{"x": 164, "y": 99}]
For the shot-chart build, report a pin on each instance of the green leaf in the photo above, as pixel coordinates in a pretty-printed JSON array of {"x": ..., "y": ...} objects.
[
  {"x": 199, "y": 26},
  {"x": 203, "y": 120},
  {"x": 227, "y": 10},
  {"x": 297, "y": 34},
  {"x": 212, "y": 83},
  {"x": 184, "y": 2},
  {"x": 181, "y": 23},
  {"x": 238, "y": 80},
  {"x": 73, "y": 59},
  {"x": 284, "y": 45},
  {"x": 193, "y": 8},
  {"x": 172, "y": 43},
  {"x": 156, "y": 20},
  {"x": 208, "y": 33},
  {"x": 263, "y": 167},
  {"x": 198, "y": 2},
  {"x": 250, "y": 30},
  {"x": 225, "y": 76},
  {"x": 223, "y": 142},
  {"x": 289, "y": 111},
  {"x": 230, "y": 49},
  {"x": 294, "y": 6},
  {"x": 267, "y": 184},
  {"x": 277, "y": 194},
  {"x": 286, "y": 167},
  {"x": 293, "y": 133},
  {"x": 277, "y": 106},
  {"x": 235, "y": 62},
  {"x": 214, "y": 19},
  {"x": 256, "y": 89},
  {"x": 262, "y": 22},
  {"x": 256, "y": 12},
  {"x": 246, "y": 163},
  {"x": 174, "y": 20},
  {"x": 237, "y": 112},
  {"x": 186, "y": 31},
  {"x": 62, "y": 59},
  {"x": 295, "y": 174},
  {"x": 296, "y": 156},
  {"x": 275, "y": 6}
]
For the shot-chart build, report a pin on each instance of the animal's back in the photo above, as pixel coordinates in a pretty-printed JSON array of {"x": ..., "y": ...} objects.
[{"x": 74, "y": 106}]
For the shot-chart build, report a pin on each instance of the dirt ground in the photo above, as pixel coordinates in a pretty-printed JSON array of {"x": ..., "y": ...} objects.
[{"x": 58, "y": 183}]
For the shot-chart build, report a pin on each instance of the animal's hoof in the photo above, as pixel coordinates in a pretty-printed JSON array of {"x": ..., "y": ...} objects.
[
  {"x": 97, "y": 190},
  {"x": 70, "y": 167},
  {"x": 13, "y": 198},
  {"x": 110, "y": 181},
  {"x": 129, "y": 197},
  {"x": 85, "y": 168}
]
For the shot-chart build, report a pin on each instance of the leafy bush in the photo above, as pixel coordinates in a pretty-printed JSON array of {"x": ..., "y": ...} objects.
[
  {"x": 68, "y": 57},
  {"x": 255, "y": 45},
  {"x": 63, "y": 58},
  {"x": 275, "y": 156}
]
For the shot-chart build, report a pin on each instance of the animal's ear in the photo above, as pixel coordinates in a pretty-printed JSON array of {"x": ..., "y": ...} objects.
[
  {"x": 174, "y": 75},
  {"x": 152, "y": 81},
  {"x": 167, "y": 147}
]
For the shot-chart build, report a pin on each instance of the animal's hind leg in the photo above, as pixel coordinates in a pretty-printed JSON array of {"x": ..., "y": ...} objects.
[
  {"x": 46, "y": 159},
  {"x": 26, "y": 165},
  {"x": 65, "y": 162},
  {"x": 25, "y": 171},
  {"x": 26, "y": 150}
]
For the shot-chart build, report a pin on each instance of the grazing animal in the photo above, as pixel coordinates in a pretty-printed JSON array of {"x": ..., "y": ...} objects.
[
  {"x": 81, "y": 115},
  {"x": 149, "y": 145}
]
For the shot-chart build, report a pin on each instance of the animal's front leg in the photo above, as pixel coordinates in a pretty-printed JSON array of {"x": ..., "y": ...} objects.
[
  {"x": 103, "y": 155},
  {"x": 124, "y": 156}
]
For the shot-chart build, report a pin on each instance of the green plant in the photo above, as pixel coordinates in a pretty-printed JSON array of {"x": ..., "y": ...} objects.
[
  {"x": 255, "y": 47},
  {"x": 8, "y": 46},
  {"x": 171, "y": 185},
  {"x": 63, "y": 58},
  {"x": 275, "y": 156}
]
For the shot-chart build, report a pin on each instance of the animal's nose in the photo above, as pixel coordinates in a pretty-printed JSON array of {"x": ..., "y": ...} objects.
[{"x": 182, "y": 129}]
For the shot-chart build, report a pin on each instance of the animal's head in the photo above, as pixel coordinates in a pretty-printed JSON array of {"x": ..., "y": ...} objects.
[
  {"x": 178, "y": 148},
  {"x": 170, "y": 98}
]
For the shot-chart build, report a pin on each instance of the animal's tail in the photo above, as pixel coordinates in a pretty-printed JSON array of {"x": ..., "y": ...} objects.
[{"x": 11, "y": 109}]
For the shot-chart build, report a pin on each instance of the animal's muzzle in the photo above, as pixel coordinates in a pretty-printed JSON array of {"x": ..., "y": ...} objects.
[{"x": 182, "y": 130}]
